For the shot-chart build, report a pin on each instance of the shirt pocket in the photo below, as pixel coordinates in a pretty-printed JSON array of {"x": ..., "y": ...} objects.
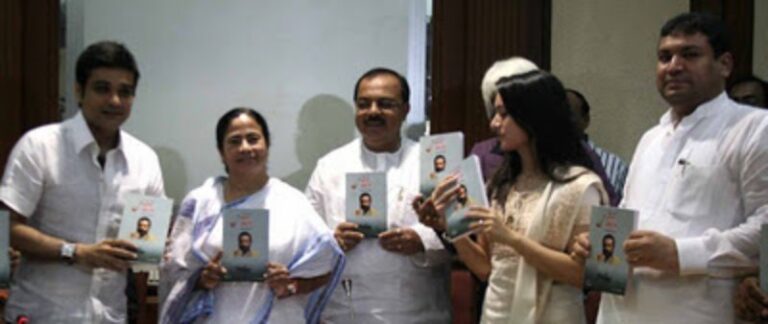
[{"x": 698, "y": 189}]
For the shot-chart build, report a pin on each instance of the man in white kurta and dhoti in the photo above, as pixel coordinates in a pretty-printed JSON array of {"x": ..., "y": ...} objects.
[
  {"x": 699, "y": 180},
  {"x": 402, "y": 276}
]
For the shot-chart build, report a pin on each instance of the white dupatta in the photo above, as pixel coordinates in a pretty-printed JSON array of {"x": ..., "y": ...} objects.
[{"x": 525, "y": 306}]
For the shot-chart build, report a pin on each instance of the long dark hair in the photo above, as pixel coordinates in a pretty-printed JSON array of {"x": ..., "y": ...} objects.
[{"x": 536, "y": 101}]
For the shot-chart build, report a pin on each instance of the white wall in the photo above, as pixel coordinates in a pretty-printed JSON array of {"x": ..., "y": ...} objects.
[
  {"x": 295, "y": 61},
  {"x": 606, "y": 50}
]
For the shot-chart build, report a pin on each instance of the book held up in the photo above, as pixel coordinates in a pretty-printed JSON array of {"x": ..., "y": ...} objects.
[
  {"x": 145, "y": 223},
  {"x": 471, "y": 192},
  {"x": 366, "y": 202},
  {"x": 438, "y": 154},
  {"x": 607, "y": 269},
  {"x": 245, "y": 244}
]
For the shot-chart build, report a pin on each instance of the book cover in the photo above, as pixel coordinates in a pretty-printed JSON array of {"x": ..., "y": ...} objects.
[
  {"x": 145, "y": 223},
  {"x": 367, "y": 202},
  {"x": 764, "y": 257},
  {"x": 245, "y": 244},
  {"x": 471, "y": 193},
  {"x": 5, "y": 258},
  {"x": 438, "y": 154},
  {"x": 607, "y": 269}
]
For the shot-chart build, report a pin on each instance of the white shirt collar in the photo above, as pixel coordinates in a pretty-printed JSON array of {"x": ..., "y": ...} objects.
[
  {"x": 701, "y": 112},
  {"x": 381, "y": 161},
  {"x": 82, "y": 137}
]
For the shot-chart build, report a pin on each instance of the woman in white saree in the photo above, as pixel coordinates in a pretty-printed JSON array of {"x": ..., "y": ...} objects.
[
  {"x": 540, "y": 198},
  {"x": 305, "y": 261}
]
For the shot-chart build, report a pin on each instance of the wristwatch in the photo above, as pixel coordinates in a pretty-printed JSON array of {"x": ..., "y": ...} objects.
[{"x": 68, "y": 252}]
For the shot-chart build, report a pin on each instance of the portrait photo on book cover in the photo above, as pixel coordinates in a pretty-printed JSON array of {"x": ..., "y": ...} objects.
[
  {"x": 143, "y": 225},
  {"x": 607, "y": 256},
  {"x": 462, "y": 197},
  {"x": 439, "y": 166},
  {"x": 366, "y": 206},
  {"x": 244, "y": 241}
]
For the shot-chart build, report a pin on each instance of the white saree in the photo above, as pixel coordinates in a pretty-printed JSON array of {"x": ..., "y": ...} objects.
[{"x": 298, "y": 239}]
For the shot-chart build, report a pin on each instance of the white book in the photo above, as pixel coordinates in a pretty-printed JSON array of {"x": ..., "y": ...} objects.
[
  {"x": 145, "y": 223},
  {"x": 245, "y": 244},
  {"x": 438, "y": 154},
  {"x": 607, "y": 269},
  {"x": 366, "y": 203},
  {"x": 471, "y": 193}
]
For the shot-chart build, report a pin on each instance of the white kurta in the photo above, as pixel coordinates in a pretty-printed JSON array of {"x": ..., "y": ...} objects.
[
  {"x": 705, "y": 184},
  {"x": 382, "y": 287},
  {"x": 197, "y": 237},
  {"x": 54, "y": 180}
]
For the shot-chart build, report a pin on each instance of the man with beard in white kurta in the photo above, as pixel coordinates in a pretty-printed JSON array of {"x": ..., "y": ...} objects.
[
  {"x": 698, "y": 181},
  {"x": 401, "y": 276}
]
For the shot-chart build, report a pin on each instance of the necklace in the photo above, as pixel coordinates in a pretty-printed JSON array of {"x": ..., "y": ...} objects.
[{"x": 523, "y": 196}]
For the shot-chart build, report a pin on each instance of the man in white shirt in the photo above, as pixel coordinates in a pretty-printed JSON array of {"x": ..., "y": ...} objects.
[
  {"x": 64, "y": 185},
  {"x": 698, "y": 181},
  {"x": 401, "y": 276}
]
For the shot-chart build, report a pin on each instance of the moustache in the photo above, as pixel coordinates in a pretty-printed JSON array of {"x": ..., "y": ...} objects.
[{"x": 375, "y": 121}]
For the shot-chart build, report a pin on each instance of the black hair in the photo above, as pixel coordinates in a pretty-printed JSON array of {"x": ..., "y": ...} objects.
[
  {"x": 585, "y": 107},
  {"x": 105, "y": 54},
  {"x": 227, "y": 118},
  {"x": 405, "y": 90},
  {"x": 690, "y": 23},
  {"x": 537, "y": 103},
  {"x": 747, "y": 79},
  {"x": 439, "y": 156},
  {"x": 363, "y": 195},
  {"x": 145, "y": 218},
  {"x": 609, "y": 236},
  {"x": 244, "y": 233}
]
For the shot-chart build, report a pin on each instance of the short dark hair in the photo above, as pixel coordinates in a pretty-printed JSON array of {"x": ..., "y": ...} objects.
[
  {"x": 105, "y": 54},
  {"x": 405, "y": 91},
  {"x": 145, "y": 218},
  {"x": 690, "y": 23},
  {"x": 585, "y": 108},
  {"x": 439, "y": 156},
  {"x": 226, "y": 119},
  {"x": 609, "y": 236},
  {"x": 747, "y": 79},
  {"x": 244, "y": 233},
  {"x": 365, "y": 194}
]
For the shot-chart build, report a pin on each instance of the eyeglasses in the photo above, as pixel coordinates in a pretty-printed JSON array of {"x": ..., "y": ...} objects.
[{"x": 383, "y": 104}]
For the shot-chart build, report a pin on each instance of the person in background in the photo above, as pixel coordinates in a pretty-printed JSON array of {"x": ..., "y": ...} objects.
[
  {"x": 491, "y": 157},
  {"x": 750, "y": 90},
  {"x": 615, "y": 168}
]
